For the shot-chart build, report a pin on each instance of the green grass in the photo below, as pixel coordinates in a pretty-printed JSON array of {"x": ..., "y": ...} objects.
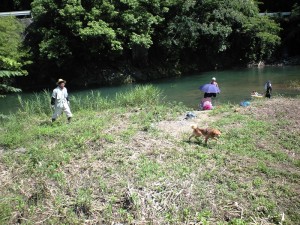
[{"x": 112, "y": 164}]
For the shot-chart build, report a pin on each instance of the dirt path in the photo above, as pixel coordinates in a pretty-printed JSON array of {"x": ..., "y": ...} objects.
[{"x": 181, "y": 125}]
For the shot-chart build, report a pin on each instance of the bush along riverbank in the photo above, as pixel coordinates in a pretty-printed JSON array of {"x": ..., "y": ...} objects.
[{"x": 129, "y": 161}]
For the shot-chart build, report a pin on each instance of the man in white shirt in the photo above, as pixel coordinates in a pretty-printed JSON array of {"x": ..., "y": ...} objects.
[{"x": 60, "y": 101}]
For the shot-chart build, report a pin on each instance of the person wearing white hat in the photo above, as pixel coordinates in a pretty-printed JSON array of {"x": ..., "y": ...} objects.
[
  {"x": 60, "y": 101},
  {"x": 214, "y": 82}
]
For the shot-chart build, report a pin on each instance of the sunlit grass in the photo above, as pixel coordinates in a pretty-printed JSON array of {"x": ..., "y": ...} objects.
[{"x": 112, "y": 164}]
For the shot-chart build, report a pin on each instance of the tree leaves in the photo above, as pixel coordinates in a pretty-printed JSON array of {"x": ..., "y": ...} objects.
[
  {"x": 11, "y": 53},
  {"x": 84, "y": 32},
  {"x": 211, "y": 27},
  {"x": 7, "y": 73}
]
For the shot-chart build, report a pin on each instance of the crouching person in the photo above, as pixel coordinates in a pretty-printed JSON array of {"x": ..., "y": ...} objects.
[
  {"x": 206, "y": 104},
  {"x": 60, "y": 101}
]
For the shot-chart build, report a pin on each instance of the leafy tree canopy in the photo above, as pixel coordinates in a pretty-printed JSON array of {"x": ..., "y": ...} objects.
[
  {"x": 214, "y": 27},
  {"x": 276, "y": 6},
  {"x": 11, "y": 53},
  {"x": 103, "y": 27},
  {"x": 292, "y": 31},
  {"x": 75, "y": 34}
]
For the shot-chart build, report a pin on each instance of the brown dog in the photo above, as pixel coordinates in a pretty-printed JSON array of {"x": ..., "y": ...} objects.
[{"x": 207, "y": 133}]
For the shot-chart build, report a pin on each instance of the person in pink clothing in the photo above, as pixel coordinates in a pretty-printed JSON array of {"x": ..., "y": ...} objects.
[{"x": 206, "y": 104}]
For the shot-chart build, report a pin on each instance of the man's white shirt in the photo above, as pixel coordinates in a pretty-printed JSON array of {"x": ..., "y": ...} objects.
[{"x": 60, "y": 96}]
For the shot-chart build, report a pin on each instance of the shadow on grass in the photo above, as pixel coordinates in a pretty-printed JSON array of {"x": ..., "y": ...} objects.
[
  {"x": 198, "y": 142},
  {"x": 46, "y": 123}
]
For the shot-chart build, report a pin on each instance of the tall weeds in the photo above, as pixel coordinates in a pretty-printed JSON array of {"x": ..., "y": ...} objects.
[
  {"x": 140, "y": 95},
  {"x": 40, "y": 104},
  {"x": 295, "y": 85}
]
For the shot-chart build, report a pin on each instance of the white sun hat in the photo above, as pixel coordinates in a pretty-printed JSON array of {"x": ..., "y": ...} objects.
[{"x": 60, "y": 81}]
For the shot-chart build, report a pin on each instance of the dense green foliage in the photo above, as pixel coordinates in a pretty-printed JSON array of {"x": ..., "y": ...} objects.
[
  {"x": 11, "y": 53},
  {"x": 276, "y": 6},
  {"x": 222, "y": 32},
  {"x": 106, "y": 42},
  {"x": 81, "y": 38},
  {"x": 15, "y": 5},
  {"x": 291, "y": 34}
]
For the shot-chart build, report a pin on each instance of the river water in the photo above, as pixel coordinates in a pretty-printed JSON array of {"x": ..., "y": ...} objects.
[{"x": 236, "y": 85}]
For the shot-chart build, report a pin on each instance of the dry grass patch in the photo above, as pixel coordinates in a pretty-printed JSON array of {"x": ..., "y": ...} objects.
[{"x": 129, "y": 166}]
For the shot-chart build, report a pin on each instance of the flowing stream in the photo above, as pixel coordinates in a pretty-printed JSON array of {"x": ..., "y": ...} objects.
[{"x": 236, "y": 85}]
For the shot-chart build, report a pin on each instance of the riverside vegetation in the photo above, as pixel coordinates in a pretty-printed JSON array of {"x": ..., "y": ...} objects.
[
  {"x": 100, "y": 43},
  {"x": 113, "y": 42},
  {"x": 114, "y": 165}
]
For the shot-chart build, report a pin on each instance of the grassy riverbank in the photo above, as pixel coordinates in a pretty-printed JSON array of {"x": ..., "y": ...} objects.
[{"x": 128, "y": 161}]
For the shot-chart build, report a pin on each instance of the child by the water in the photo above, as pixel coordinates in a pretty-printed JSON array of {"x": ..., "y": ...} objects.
[
  {"x": 254, "y": 93},
  {"x": 268, "y": 88},
  {"x": 206, "y": 104}
]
